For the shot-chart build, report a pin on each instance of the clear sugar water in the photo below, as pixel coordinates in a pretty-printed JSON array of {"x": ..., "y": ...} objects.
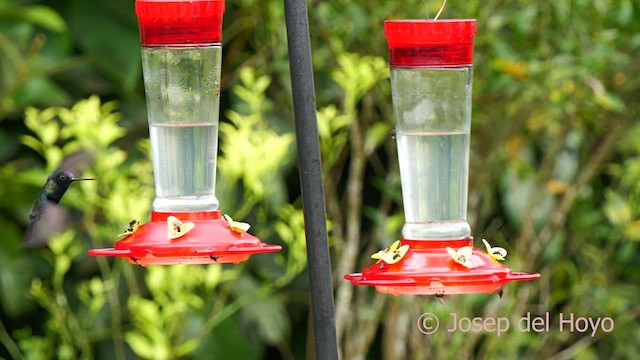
[
  {"x": 182, "y": 86},
  {"x": 434, "y": 184},
  {"x": 432, "y": 107}
]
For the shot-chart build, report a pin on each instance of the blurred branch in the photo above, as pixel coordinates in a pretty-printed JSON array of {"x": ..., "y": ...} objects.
[
  {"x": 9, "y": 344},
  {"x": 353, "y": 217},
  {"x": 559, "y": 215},
  {"x": 573, "y": 350}
]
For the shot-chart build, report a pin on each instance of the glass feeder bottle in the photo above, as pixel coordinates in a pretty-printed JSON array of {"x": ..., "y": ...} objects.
[
  {"x": 431, "y": 70},
  {"x": 181, "y": 59},
  {"x": 431, "y": 78}
]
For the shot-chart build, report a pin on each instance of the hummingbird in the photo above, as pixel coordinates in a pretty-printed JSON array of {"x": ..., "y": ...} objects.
[{"x": 46, "y": 216}]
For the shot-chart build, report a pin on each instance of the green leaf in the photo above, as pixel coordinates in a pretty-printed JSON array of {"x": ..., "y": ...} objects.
[
  {"x": 228, "y": 341},
  {"x": 39, "y": 90},
  {"x": 140, "y": 345},
  {"x": 376, "y": 135},
  {"x": 186, "y": 348},
  {"x": 14, "y": 285},
  {"x": 261, "y": 84},
  {"x": 609, "y": 102},
  {"x": 49, "y": 133},
  {"x": 267, "y": 315},
  {"x": 109, "y": 39},
  {"x": 32, "y": 142},
  {"x": 616, "y": 209},
  {"x": 60, "y": 243},
  {"x": 46, "y": 17},
  {"x": 271, "y": 319},
  {"x": 358, "y": 74},
  {"x": 62, "y": 264},
  {"x": 632, "y": 230}
]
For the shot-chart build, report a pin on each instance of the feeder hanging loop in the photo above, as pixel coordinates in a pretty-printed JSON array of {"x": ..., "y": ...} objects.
[{"x": 426, "y": 14}]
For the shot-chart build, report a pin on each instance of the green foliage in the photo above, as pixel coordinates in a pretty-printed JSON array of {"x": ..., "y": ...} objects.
[
  {"x": 164, "y": 323},
  {"x": 247, "y": 138},
  {"x": 23, "y": 72},
  {"x": 62, "y": 327},
  {"x": 158, "y": 321}
]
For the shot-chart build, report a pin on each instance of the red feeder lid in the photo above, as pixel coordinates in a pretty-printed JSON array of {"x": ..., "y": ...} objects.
[
  {"x": 210, "y": 241},
  {"x": 428, "y": 269},
  {"x": 430, "y": 42},
  {"x": 176, "y": 22}
]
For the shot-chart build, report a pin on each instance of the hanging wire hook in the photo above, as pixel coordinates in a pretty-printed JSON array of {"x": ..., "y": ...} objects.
[
  {"x": 426, "y": 14},
  {"x": 440, "y": 11}
]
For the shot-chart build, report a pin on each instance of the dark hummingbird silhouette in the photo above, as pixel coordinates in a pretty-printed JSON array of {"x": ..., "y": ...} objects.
[{"x": 46, "y": 216}]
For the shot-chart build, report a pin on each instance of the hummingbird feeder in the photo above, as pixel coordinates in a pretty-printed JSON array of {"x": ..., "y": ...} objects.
[
  {"x": 181, "y": 60},
  {"x": 431, "y": 77}
]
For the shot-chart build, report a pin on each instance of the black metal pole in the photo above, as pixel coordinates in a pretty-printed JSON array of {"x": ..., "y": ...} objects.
[{"x": 310, "y": 167}]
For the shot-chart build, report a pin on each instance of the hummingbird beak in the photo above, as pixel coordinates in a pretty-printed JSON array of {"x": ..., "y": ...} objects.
[{"x": 80, "y": 179}]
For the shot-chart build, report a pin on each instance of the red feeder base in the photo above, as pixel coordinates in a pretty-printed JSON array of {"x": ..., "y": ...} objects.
[
  {"x": 211, "y": 241},
  {"x": 428, "y": 269}
]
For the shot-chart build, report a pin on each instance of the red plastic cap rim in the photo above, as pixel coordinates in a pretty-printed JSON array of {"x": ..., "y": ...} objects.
[
  {"x": 430, "y": 42},
  {"x": 166, "y": 22}
]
